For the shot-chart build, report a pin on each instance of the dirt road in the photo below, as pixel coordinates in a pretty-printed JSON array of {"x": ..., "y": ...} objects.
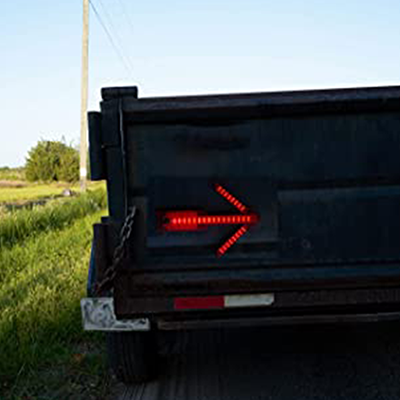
[{"x": 280, "y": 364}]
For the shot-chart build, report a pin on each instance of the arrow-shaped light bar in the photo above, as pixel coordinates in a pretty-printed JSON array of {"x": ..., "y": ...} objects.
[
  {"x": 232, "y": 240},
  {"x": 186, "y": 221},
  {"x": 232, "y": 199},
  {"x": 192, "y": 220}
]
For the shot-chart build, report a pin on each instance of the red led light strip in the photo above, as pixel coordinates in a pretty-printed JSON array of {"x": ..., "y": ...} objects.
[
  {"x": 180, "y": 221},
  {"x": 232, "y": 240},
  {"x": 232, "y": 199},
  {"x": 191, "y": 220}
]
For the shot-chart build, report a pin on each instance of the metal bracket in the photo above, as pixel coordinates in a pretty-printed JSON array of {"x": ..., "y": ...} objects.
[{"x": 98, "y": 315}]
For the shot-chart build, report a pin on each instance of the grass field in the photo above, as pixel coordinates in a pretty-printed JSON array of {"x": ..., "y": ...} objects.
[
  {"x": 13, "y": 174},
  {"x": 31, "y": 192},
  {"x": 20, "y": 192},
  {"x": 24, "y": 223},
  {"x": 44, "y": 254}
]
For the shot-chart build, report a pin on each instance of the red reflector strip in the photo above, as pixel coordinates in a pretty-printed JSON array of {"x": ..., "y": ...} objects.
[
  {"x": 191, "y": 303},
  {"x": 232, "y": 240},
  {"x": 227, "y": 301},
  {"x": 232, "y": 199}
]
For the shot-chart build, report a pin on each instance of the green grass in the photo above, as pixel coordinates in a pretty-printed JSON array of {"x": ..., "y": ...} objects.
[
  {"x": 25, "y": 191},
  {"x": 21, "y": 224},
  {"x": 43, "y": 279},
  {"x": 12, "y": 174},
  {"x": 33, "y": 192},
  {"x": 44, "y": 256}
]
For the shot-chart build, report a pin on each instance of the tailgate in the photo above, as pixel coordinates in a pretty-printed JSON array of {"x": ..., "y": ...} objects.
[{"x": 301, "y": 186}]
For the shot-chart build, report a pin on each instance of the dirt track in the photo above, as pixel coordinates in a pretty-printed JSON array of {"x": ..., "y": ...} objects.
[{"x": 309, "y": 363}]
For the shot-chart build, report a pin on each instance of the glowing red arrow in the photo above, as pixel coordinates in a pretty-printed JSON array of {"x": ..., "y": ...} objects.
[{"x": 193, "y": 220}]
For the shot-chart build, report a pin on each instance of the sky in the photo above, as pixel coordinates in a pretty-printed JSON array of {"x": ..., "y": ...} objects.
[{"x": 181, "y": 47}]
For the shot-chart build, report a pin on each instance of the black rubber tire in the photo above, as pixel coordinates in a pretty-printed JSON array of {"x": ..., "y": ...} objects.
[{"x": 132, "y": 355}]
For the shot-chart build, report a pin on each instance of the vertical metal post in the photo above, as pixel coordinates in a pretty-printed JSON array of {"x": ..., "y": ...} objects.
[{"x": 84, "y": 95}]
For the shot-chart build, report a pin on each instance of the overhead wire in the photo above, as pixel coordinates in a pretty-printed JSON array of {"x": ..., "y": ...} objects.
[
  {"x": 126, "y": 16},
  {"x": 125, "y": 61},
  {"x": 113, "y": 27}
]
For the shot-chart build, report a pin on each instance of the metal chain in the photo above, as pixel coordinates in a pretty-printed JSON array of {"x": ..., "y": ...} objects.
[{"x": 119, "y": 254}]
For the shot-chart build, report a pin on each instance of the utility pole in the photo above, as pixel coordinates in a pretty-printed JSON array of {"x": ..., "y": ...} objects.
[{"x": 84, "y": 95}]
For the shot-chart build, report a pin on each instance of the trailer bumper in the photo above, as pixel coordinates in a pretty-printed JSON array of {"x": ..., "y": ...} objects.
[
  {"x": 98, "y": 315},
  {"x": 286, "y": 320}
]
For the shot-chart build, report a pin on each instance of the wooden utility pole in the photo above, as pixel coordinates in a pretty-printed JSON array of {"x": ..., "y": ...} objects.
[{"x": 84, "y": 95}]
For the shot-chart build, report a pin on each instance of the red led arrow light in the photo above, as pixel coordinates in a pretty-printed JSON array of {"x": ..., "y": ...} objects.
[
  {"x": 192, "y": 220},
  {"x": 232, "y": 199}
]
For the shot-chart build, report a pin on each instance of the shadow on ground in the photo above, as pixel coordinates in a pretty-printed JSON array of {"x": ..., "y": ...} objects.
[{"x": 346, "y": 362}]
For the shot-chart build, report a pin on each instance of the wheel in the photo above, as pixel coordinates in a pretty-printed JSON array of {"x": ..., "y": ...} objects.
[{"x": 132, "y": 355}]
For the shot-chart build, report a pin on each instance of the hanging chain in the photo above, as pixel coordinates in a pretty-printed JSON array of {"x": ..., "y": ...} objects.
[{"x": 118, "y": 256}]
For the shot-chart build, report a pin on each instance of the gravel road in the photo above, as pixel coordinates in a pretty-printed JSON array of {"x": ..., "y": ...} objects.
[{"x": 332, "y": 363}]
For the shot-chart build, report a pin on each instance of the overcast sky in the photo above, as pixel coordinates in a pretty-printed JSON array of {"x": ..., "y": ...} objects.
[{"x": 181, "y": 47}]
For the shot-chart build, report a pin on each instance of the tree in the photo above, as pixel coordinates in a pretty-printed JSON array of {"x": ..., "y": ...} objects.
[
  {"x": 69, "y": 165},
  {"x": 52, "y": 161}
]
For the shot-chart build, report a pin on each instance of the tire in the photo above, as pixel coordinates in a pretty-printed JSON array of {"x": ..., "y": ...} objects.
[{"x": 132, "y": 355}]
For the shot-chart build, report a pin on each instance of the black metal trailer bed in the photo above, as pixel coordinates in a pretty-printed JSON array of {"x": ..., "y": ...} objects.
[{"x": 266, "y": 207}]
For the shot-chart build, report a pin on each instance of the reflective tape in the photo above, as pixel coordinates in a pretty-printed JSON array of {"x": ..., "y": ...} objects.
[{"x": 220, "y": 302}]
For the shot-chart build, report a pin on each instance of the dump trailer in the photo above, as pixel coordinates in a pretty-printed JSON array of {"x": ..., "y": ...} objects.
[{"x": 242, "y": 210}]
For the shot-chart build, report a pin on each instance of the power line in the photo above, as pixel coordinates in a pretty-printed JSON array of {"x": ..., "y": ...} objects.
[
  {"x": 107, "y": 15},
  {"x": 127, "y": 17},
  {"x": 118, "y": 52},
  {"x": 116, "y": 33}
]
